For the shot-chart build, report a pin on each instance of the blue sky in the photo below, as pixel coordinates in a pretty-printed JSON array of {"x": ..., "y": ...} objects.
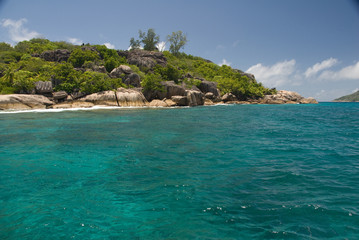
[{"x": 308, "y": 46}]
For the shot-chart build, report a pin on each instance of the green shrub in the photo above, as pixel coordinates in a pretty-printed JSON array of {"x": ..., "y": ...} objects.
[
  {"x": 168, "y": 73},
  {"x": 111, "y": 63},
  {"x": 66, "y": 78},
  {"x": 23, "y": 81},
  {"x": 6, "y": 90},
  {"x": 10, "y": 57},
  {"x": 192, "y": 82},
  {"x": 78, "y": 57},
  {"x": 92, "y": 82},
  {"x": 152, "y": 82}
]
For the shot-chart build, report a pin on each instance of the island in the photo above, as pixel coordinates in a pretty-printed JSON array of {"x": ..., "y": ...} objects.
[
  {"x": 354, "y": 97},
  {"x": 40, "y": 73}
]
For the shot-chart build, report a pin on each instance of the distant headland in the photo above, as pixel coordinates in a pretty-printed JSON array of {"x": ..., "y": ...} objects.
[
  {"x": 40, "y": 73},
  {"x": 354, "y": 97}
]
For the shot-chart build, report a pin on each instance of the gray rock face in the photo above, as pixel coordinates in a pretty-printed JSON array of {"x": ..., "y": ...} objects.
[
  {"x": 172, "y": 89},
  {"x": 169, "y": 89},
  {"x": 249, "y": 75},
  {"x": 119, "y": 71},
  {"x": 229, "y": 97},
  {"x": 207, "y": 86},
  {"x": 77, "y": 95},
  {"x": 209, "y": 95},
  {"x": 133, "y": 79},
  {"x": 24, "y": 102},
  {"x": 58, "y": 55},
  {"x": 43, "y": 87},
  {"x": 194, "y": 98},
  {"x": 61, "y": 95},
  {"x": 146, "y": 59},
  {"x": 179, "y": 100}
]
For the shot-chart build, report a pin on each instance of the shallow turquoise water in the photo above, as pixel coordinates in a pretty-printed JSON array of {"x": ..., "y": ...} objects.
[{"x": 221, "y": 172}]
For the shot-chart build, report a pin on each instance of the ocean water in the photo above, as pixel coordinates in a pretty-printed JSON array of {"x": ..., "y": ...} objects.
[{"x": 219, "y": 172}]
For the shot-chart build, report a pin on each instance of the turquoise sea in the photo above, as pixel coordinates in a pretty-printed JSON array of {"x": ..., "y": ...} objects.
[{"x": 219, "y": 172}]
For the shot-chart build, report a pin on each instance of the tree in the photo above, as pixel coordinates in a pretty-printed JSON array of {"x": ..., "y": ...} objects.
[
  {"x": 5, "y": 47},
  {"x": 177, "y": 41},
  {"x": 149, "y": 39},
  {"x": 135, "y": 44}
]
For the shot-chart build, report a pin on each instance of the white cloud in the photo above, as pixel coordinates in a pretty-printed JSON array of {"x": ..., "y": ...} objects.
[
  {"x": 276, "y": 75},
  {"x": 224, "y": 62},
  {"x": 161, "y": 46},
  {"x": 328, "y": 63},
  {"x": 17, "y": 31},
  {"x": 347, "y": 73},
  {"x": 109, "y": 45},
  {"x": 75, "y": 41}
]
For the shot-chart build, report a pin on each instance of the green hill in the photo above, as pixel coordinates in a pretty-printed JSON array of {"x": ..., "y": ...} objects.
[
  {"x": 89, "y": 68},
  {"x": 354, "y": 97}
]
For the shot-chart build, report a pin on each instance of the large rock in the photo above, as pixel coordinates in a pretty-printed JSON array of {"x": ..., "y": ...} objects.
[
  {"x": 122, "y": 97},
  {"x": 119, "y": 71},
  {"x": 147, "y": 59},
  {"x": 180, "y": 100},
  {"x": 169, "y": 89},
  {"x": 130, "y": 98},
  {"x": 286, "y": 97},
  {"x": 249, "y": 75},
  {"x": 207, "y": 86},
  {"x": 172, "y": 89},
  {"x": 24, "y": 102},
  {"x": 308, "y": 101},
  {"x": 157, "y": 103},
  {"x": 133, "y": 79},
  {"x": 43, "y": 87},
  {"x": 58, "y": 55},
  {"x": 59, "y": 96},
  {"x": 282, "y": 97},
  {"x": 229, "y": 97},
  {"x": 107, "y": 98},
  {"x": 194, "y": 98}
]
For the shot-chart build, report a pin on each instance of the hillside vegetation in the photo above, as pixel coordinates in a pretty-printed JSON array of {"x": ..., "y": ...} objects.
[
  {"x": 354, "y": 97},
  {"x": 88, "y": 69}
]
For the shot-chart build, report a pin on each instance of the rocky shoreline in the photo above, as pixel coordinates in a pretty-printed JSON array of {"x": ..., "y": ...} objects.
[{"x": 123, "y": 97}]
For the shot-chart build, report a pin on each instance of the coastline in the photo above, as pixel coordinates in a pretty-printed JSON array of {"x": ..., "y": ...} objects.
[
  {"x": 104, "y": 107},
  {"x": 134, "y": 98}
]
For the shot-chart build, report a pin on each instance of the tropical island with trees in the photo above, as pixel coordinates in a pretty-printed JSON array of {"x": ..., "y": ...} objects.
[{"x": 40, "y": 73}]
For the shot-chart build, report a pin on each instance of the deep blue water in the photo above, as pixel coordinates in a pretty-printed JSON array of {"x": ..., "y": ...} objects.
[{"x": 220, "y": 172}]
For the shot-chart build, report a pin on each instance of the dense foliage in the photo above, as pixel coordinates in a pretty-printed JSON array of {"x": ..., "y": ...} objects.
[{"x": 88, "y": 68}]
